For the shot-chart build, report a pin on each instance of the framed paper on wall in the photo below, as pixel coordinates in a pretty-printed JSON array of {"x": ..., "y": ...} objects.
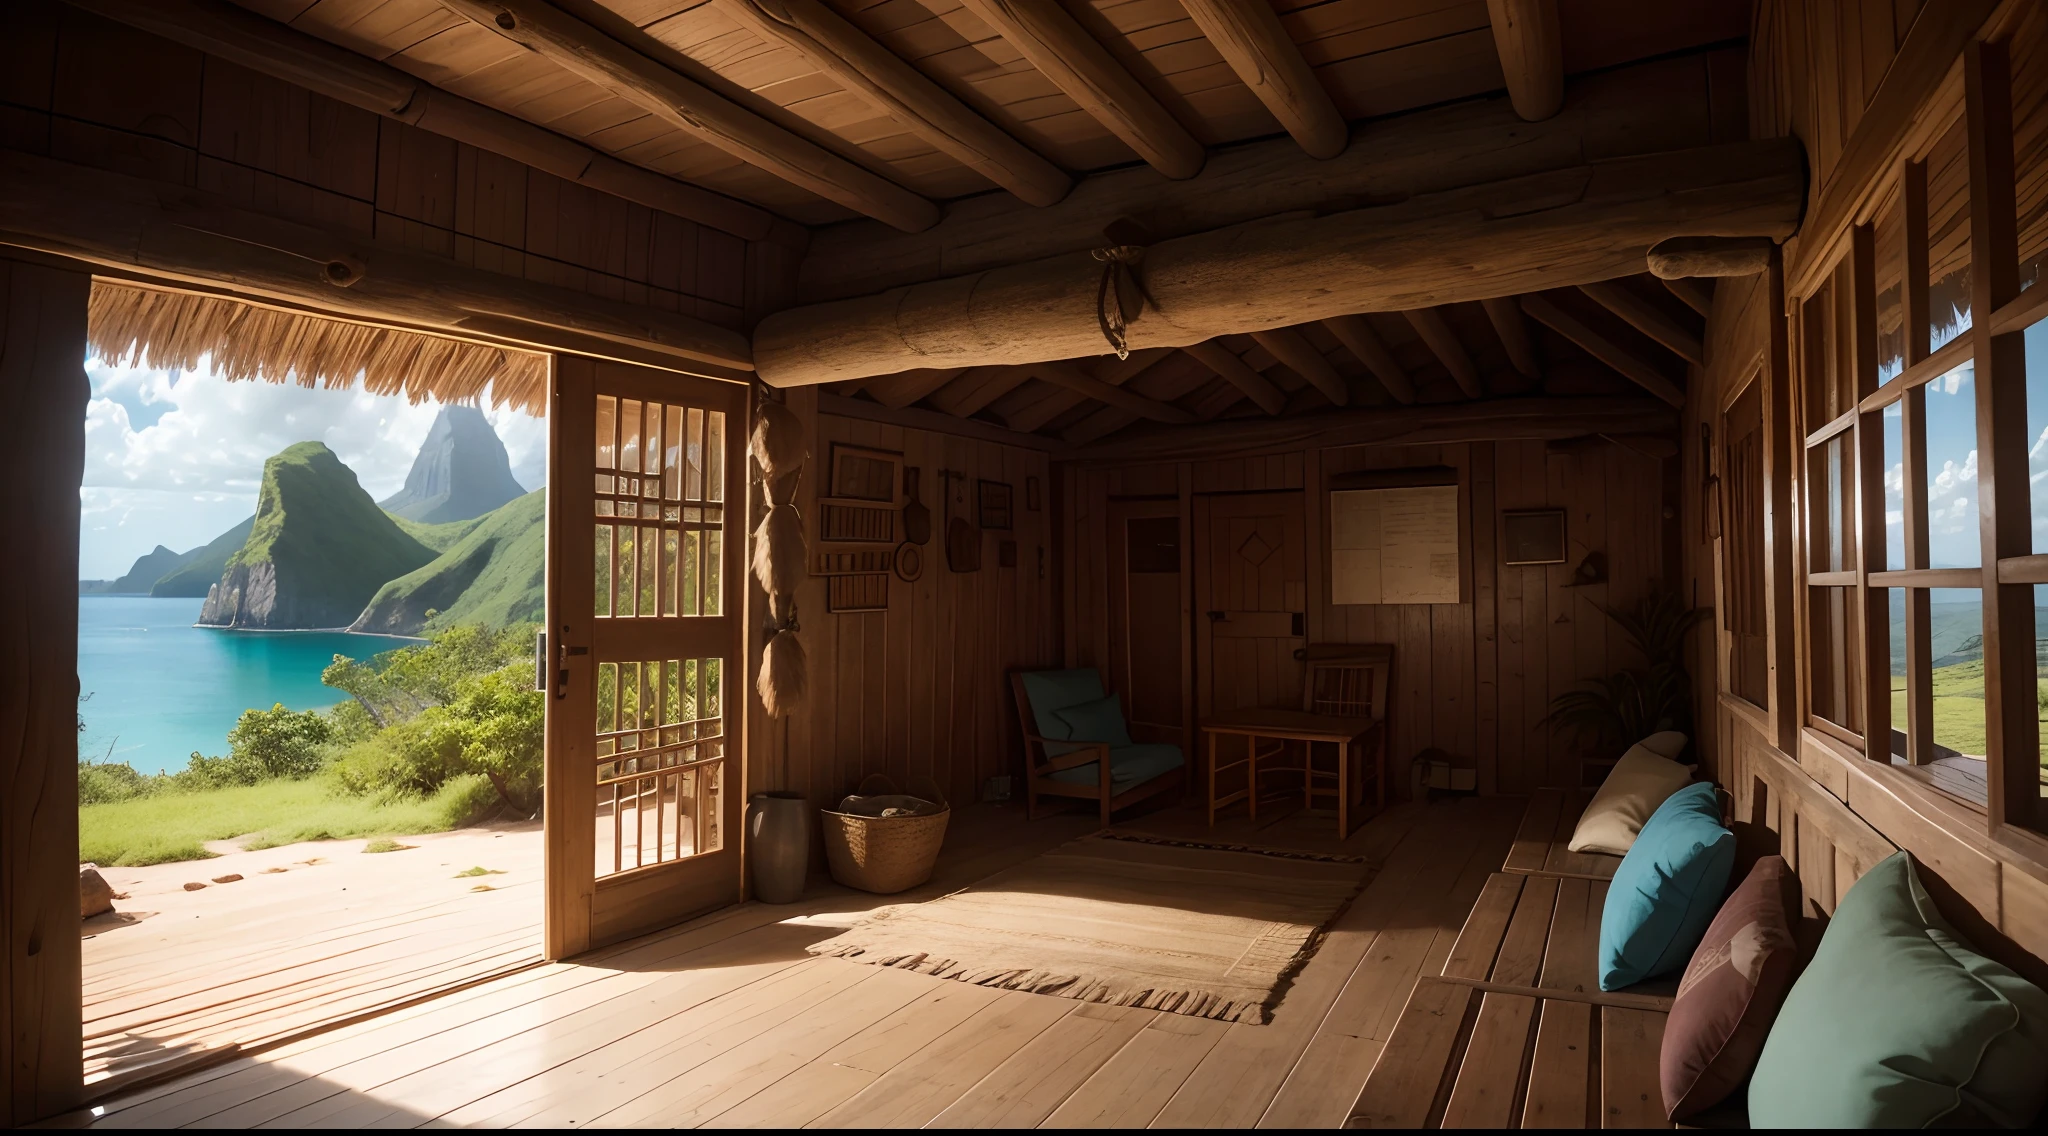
[{"x": 1532, "y": 536}]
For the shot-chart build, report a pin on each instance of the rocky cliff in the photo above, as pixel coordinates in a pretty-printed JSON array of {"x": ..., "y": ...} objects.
[
  {"x": 460, "y": 472},
  {"x": 318, "y": 549}
]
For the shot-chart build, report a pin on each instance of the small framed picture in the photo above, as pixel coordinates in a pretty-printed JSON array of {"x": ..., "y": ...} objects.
[
  {"x": 1031, "y": 500},
  {"x": 1532, "y": 536},
  {"x": 995, "y": 507},
  {"x": 861, "y": 474}
]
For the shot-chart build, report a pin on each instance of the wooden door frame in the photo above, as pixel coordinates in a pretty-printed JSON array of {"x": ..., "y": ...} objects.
[
  {"x": 572, "y": 893},
  {"x": 1121, "y": 511}
]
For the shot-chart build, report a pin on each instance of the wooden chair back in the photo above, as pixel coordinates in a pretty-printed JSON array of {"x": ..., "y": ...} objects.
[{"x": 1347, "y": 680}]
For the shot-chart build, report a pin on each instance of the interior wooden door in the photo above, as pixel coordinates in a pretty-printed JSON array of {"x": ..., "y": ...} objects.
[
  {"x": 1148, "y": 614},
  {"x": 1252, "y": 584},
  {"x": 646, "y": 487}
]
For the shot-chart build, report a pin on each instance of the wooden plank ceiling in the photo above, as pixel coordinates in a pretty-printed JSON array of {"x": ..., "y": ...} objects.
[
  {"x": 1635, "y": 335},
  {"x": 1085, "y": 84}
]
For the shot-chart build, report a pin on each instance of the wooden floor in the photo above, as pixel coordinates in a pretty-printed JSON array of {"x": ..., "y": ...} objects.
[
  {"x": 726, "y": 1021},
  {"x": 299, "y": 936}
]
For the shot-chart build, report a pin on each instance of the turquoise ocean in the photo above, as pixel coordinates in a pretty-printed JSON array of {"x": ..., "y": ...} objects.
[{"x": 161, "y": 688}]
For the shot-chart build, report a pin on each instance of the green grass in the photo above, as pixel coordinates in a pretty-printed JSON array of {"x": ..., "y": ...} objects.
[
  {"x": 175, "y": 826},
  {"x": 1958, "y": 707}
]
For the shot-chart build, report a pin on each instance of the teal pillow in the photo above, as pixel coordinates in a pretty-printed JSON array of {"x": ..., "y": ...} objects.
[
  {"x": 1053, "y": 691},
  {"x": 1099, "y": 721},
  {"x": 1666, "y": 890},
  {"x": 1899, "y": 1023}
]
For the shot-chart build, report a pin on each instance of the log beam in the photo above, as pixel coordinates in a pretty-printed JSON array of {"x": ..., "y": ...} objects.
[
  {"x": 174, "y": 234},
  {"x": 1356, "y": 334},
  {"x": 1301, "y": 356},
  {"x": 1238, "y": 373},
  {"x": 1630, "y": 365},
  {"x": 1430, "y": 325},
  {"x": 1531, "y": 51},
  {"x": 1567, "y": 227},
  {"x": 1249, "y": 36},
  {"x": 974, "y": 389},
  {"x": 1055, "y": 43},
  {"x": 854, "y": 61},
  {"x": 1506, "y": 317},
  {"x": 1648, "y": 319},
  {"x": 1683, "y": 257},
  {"x": 1073, "y": 378},
  {"x": 1643, "y": 109},
  {"x": 595, "y": 57},
  {"x": 269, "y": 48},
  {"x": 1487, "y": 420}
]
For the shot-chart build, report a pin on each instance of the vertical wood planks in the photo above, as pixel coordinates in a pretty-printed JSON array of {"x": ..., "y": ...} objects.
[{"x": 43, "y": 394}]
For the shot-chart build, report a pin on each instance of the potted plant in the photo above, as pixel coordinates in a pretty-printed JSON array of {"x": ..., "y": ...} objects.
[{"x": 1611, "y": 712}]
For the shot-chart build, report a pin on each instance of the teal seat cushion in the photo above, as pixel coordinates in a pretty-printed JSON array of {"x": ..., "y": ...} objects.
[
  {"x": 1128, "y": 765},
  {"x": 1666, "y": 890},
  {"x": 1099, "y": 721},
  {"x": 1899, "y": 1023},
  {"x": 1053, "y": 691}
]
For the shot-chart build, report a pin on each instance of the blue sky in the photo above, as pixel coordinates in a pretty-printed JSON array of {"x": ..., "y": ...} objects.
[{"x": 176, "y": 459}]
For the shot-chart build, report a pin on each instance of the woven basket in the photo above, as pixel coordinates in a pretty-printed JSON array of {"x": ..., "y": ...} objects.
[{"x": 884, "y": 855}]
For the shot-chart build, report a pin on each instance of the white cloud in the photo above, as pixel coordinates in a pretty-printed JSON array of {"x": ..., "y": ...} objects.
[
  {"x": 1951, "y": 476},
  {"x": 176, "y": 459}
]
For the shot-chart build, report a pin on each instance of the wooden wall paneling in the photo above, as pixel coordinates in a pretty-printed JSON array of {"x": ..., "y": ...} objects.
[
  {"x": 1513, "y": 634},
  {"x": 1563, "y": 604},
  {"x": 43, "y": 393},
  {"x": 1485, "y": 620}
]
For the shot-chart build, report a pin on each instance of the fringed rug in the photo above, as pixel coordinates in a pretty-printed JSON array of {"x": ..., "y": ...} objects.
[{"x": 1206, "y": 930}]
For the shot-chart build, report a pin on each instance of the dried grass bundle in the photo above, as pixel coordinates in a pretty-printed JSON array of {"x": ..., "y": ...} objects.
[
  {"x": 779, "y": 551},
  {"x": 133, "y": 324},
  {"x": 778, "y": 441},
  {"x": 784, "y": 674}
]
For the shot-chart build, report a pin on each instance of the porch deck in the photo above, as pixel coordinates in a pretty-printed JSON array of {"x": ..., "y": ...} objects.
[{"x": 726, "y": 1021}]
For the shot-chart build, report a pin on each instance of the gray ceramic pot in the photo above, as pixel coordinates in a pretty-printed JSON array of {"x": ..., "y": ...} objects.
[{"x": 778, "y": 845}]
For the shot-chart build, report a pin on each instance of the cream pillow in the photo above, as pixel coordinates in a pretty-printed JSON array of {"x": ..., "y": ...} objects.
[{"x": 1634, "y": 788}]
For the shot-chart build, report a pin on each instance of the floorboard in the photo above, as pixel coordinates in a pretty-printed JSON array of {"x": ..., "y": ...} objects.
[{"x": 727, "y": 1022}]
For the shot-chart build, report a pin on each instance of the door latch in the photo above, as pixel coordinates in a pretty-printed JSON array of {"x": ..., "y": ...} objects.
[{"x": 563, "y": 652}]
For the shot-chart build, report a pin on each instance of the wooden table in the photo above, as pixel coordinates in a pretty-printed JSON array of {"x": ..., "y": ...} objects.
[{"x": 1347, "y": 734}]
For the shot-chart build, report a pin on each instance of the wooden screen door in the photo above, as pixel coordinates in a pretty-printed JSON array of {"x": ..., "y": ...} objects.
[
  {"x": 1252, "y": 584},
  {"x": 645, "y": 495},
  {"x": 1148, "y": 620}
]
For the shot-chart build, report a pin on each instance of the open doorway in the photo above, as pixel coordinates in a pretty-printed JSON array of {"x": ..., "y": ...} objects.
[{"x": 310, "y": 734}]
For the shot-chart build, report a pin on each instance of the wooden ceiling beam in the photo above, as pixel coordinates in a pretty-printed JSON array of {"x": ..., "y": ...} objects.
[
  {"x": 174, "y": 234},
  {"x": 1626, "y": 362},
  {"x": 244, "y": 38},
  {"x": 1249, "y": 36},
  {"x": 971, "y": 392},
  {"x": 1430, "y": 325},
  {"x": 1356, "y": 333},
  {"x": 1059, "y": 400},
  {"x": 1227, "y": 366},
  {"x": 854, "y": 61},
  {"x": 1506, "y": 316},
  {"x": 1301, "y": 356},
  {"x": 1648, "y": 319},
  {"x": 905, "y": 387},
  {"x": 1698, "y": 295},
  {"x": 1429, "y": 250},
  {"x": 1064, "y": 374},
  {"x": 1063, "y": 51},
  {"x": 1525, "y": 34},
  {"x": 1109, "y": 419},
  {"x": 590, "y": 54}
]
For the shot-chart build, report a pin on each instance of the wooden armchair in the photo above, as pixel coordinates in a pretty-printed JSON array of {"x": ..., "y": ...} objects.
[{"x": 1087, "y": 752}]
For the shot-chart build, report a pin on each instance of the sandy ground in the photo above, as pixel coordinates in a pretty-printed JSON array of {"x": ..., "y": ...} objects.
[{"x": 339, "y": 870}]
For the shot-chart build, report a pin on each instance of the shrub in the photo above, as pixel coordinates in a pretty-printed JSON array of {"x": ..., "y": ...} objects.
[
  {"x": 277, "y": 742},
  {"x": 103, "y": 783}
]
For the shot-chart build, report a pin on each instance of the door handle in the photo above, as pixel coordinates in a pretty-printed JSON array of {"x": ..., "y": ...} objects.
[{"x": 562, "y": 653}]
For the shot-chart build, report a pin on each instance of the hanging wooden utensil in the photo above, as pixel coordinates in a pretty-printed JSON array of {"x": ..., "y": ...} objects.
[
  {"x": 963, "y": 537},
  {"x": 917, "y": 519}
]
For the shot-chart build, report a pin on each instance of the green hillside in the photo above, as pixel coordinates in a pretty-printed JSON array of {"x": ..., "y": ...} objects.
[
  {"x": 440, "y": 537},
  {"x": 319, "y": 549},
  {"x": 494, "y": 575},
  {"x": 148, "y": 569},
  {"x": 201, "y": 568}
]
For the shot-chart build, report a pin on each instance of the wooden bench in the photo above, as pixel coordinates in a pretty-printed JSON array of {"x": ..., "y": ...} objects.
[{"x": 1515, "y": 1030}]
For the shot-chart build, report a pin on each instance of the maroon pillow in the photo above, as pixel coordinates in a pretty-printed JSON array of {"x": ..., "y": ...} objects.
[{"x": 1731, "y": 992}]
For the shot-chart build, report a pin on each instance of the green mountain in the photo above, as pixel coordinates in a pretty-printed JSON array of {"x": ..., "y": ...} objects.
[
  {"x": 441, "y": 537},
  {"x": 495, "y": 575},
  {"x": 318, "y": 550},
  {"x": 150, "y": 567},
  {"x": 200, "y": 569}
]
